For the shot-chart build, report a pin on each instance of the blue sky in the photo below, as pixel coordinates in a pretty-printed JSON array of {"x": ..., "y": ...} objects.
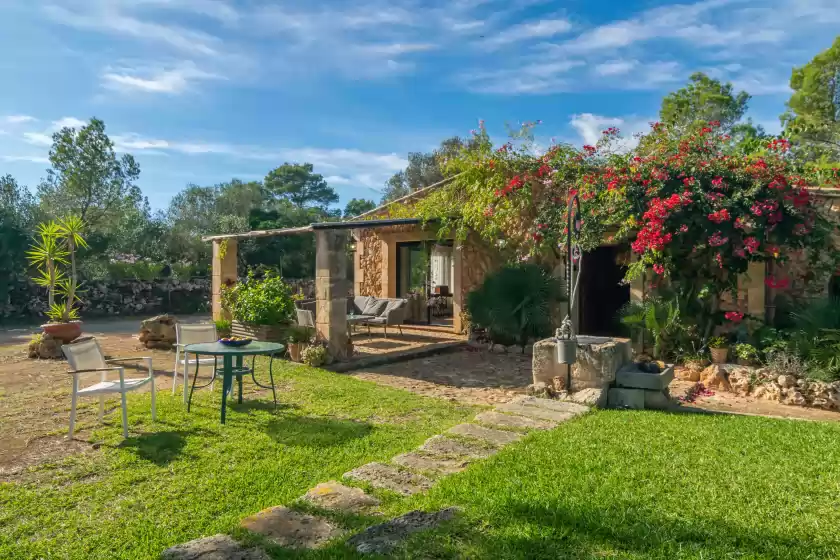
[{"x": 201, "y": 91}]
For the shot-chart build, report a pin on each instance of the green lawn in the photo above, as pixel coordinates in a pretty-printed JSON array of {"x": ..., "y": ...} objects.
[
  {"x": 613, "y": 484},
  {"x": 186, "y": 476},
  {"x": 620, "y": 484}
]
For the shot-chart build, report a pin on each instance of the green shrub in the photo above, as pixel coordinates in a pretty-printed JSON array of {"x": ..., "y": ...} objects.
[
  {"x": 300, "y": 335},
  {"x": 515, "y": 303},
  {"x": 314, "y": 355},
  {"x": 265, "y": 301},
  {"x": 223, "y": 327},
  {"x": 718, "y": 342},
  {"x": 658, "y": 321},
  {"x": 746, "y": 352},
  {"x": 816, "y": 337}
]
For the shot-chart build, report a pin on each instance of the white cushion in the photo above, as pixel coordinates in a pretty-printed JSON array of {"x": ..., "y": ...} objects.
[{"x": 375, "y": 307}]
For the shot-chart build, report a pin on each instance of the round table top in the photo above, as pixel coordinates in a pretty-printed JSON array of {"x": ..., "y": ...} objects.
[{"x": 218, "y": 349}]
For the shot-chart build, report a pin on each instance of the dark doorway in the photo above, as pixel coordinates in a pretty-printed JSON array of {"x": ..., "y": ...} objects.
[
  {"x": 601, "y": 293},
  {"x": 412, "y": 268}
]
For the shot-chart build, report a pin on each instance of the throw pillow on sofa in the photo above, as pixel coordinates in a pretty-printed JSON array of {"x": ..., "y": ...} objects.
[
  {"x": 375, "y": 307},
  {"x": 392, "y": 305}
]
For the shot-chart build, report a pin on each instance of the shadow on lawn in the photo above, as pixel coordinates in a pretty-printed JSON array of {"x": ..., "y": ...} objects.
[
  {"x": 315, "y": 431},
  {"x": 540, "y": 532},
  {"x": 160, "y": 448}
]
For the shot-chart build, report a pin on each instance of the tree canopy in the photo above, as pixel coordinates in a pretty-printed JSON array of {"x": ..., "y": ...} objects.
[
  {"x": 812, "y": 121},
  {"x": 300, "y": 185},
  {"x": 358, "y": 206},
  {"x": 87, "y": 179},
  {"x": 424, "y": 169},
  {"x": 704, "y": 100}
]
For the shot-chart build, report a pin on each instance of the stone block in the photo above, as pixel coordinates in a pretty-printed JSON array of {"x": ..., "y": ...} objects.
[
  {"x": 627, "y": 398},
  {"x": 290, "y": 528},
  {"x": 513, "y": 422},
  {"x": 390, "y": 478},
  {"x": 657, "y": 400},
  {"x": 598, "y": 359},
  {"x": 630, "y": 377},
  {"x": 448, "y": 447},
  {"x": 499, "y": 438},
  {"x": 536, "y": 412},
  {"x": 218, "y": 547},
  {"x": 587, "y": 397},
  {"x": 335, "y": 496},
  {"x": 431, "y": 464},
  {"x": 555, "y": 405},
  {"x": 381, "y": 539}
]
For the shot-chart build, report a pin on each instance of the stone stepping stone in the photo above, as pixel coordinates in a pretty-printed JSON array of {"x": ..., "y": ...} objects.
[
  {"x": 382, "y": 538},
  {"x": 291, "y": 528},
  {"x": 390, "y": 478},
  {"x": 449, "y": 447},
  {"x": 499, "y": 438},
  {"x": 551, "y": 404},
  {"x": 335, "y": 496},
  {"x": 217, "y": 547},
  {"x": 536, "y": 412},
  {"x": 434, "y": 465},
  {"x": 499, "y": 420}
]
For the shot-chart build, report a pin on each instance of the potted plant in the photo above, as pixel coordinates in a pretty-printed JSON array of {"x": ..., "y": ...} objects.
[
  {"x": 299, "y": 337},
  {"x": 262, "y": 308},
  {"x": 52, "y": 252},
  {"x": 719, "y": 349},
  {"x": 747, "y": 354},
  {"x": 223, "y": 328}
]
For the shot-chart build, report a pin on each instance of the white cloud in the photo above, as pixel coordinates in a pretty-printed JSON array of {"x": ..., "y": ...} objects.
[
  {"x": 37, "y": 138},
  {"x": 533, "y": 78},
  {"x": 214, "y": 9},
  {"x": 17, "y": 119},
  {"x": 26, "y": 159},
  {"x": 68, "y": 122},
  {"x": 541, "y": 29},
  {"x": 174, "y": 81},
  {"x": 589, "y": 127},
  {"x": 112, "y": 21},
  {"x": 615, "y": 67}
]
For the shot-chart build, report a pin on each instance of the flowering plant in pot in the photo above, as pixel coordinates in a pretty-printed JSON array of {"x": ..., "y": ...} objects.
[
  {"x": 747, "y": 354},
  {"x": 719, "y": 349},
  {"x": 53, "y": 254}
]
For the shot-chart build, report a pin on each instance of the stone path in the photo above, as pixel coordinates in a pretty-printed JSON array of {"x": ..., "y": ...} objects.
[{"x": 408, "y": 473}]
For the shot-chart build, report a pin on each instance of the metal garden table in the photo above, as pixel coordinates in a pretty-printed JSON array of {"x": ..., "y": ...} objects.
[{"x": 229, "y": 371}]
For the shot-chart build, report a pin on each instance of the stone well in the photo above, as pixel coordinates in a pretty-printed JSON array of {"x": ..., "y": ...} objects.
[{"x": 598, "y": 359}]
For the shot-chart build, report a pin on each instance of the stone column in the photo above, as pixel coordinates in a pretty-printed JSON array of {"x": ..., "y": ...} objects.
[
  {"x": 331, "y": 288},
  {"x": 755, "y": 288},
  {"x": 458, "y": 303},
  {"x": 389, "y": 267},
  {"x": 224, "y": 272}
]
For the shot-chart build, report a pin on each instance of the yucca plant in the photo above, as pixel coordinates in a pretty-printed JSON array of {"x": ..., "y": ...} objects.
[{"x": 54, "y": 244}]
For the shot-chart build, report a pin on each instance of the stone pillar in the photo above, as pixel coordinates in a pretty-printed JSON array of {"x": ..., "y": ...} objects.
[
  {"x": 224, "y": 272},
  {"x": 755, "y": 288},
  {"x": 331, "y": 288},
  {"x": 458, "y": 303},
  {"x": 389, "y": 267}
]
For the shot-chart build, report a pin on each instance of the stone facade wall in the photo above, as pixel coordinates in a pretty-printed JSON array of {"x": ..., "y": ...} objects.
[
  {"x": 369, "y": 248},
  {"x": 478, "y": 260}
]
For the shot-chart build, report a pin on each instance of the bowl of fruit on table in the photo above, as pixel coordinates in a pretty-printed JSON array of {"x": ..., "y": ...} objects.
[{"x": 236, "y": 341}]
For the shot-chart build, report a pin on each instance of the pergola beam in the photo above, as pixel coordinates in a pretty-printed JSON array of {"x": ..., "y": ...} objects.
[{"x": 259, "y": 233}]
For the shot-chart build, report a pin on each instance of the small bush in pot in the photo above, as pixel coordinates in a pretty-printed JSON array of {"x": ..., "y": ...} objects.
[
  {"x": 223, "y": 328},
  {"x": 314, "y": 355},
  {"x": 299, "y": 337},
  {"x": 747, "y": 354},
  {"x": 719, "y": 349}
]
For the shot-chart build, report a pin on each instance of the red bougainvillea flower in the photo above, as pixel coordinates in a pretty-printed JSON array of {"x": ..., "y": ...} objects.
[
  {"x": 537, "y": 236},
  {"x": 491, "y": 163},
  {"x": 683, "y": 228},
  {"x": 751, "y": 243},
  {"x": 488, "y": 212},
  {"x": 720, "y": 216},
  {"x": 779, "y": 145},
  {"x": 543, "y": 170},
  {"x": 716, "y": 240},
  {"x": 719, "y": 260},
  {"x": 659, "y": 269},
  {"x": 718, "y": 183},
  {"x": 589, "y": 150},
  {"x": 774, "y": 250},
  {"x": 773, "y": 283},
  {"x": 734, "y": 316}
]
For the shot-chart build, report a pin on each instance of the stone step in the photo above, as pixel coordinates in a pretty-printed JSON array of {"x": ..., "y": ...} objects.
[
  {"x": 536, "y": 412},
  {"x": 551, "y": 404},
  {"x": 391, "y": 478},
  {"x": 449, "y": 447},
  {"x": 509, "y": 421},
  {"x": 290, "y": 528},
  {"x": 430, "y": 464},
  {"x": 217, "y": 547},
  {"x": 335, "y": 496},
  {"x": 498, "y": 438},
  {"x": 382, "y": 538}
]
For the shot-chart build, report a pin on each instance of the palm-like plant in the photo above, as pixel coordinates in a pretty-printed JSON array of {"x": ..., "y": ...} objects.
[
  {"x": 656, "y": 317},
  {"x": 816, "y": 335},
  {"x": 54, "y": 243}
]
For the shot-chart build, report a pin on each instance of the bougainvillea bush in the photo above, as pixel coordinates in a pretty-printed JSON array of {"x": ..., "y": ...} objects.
[
  {"x": 696, "y": 215},
  {"x": 695, "y": 211}
]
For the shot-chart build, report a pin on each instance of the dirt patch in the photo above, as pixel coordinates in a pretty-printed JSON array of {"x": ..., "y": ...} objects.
[
  {"x": 467, "y": 375},
  {"x": 722, "y": 401}
]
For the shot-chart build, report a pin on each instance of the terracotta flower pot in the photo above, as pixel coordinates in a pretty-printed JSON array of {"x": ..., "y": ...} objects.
[
  {"x": 719, "y": 355},
  {"x": 295, "y": 348},
  {"x": 65, "y": 332}
]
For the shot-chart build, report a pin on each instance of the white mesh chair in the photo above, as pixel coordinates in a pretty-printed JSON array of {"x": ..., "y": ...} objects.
[
  {"x": 305, "y": 318},
  {"x": 191, "y": 334},
  {"x": 86, "y": 357}
]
